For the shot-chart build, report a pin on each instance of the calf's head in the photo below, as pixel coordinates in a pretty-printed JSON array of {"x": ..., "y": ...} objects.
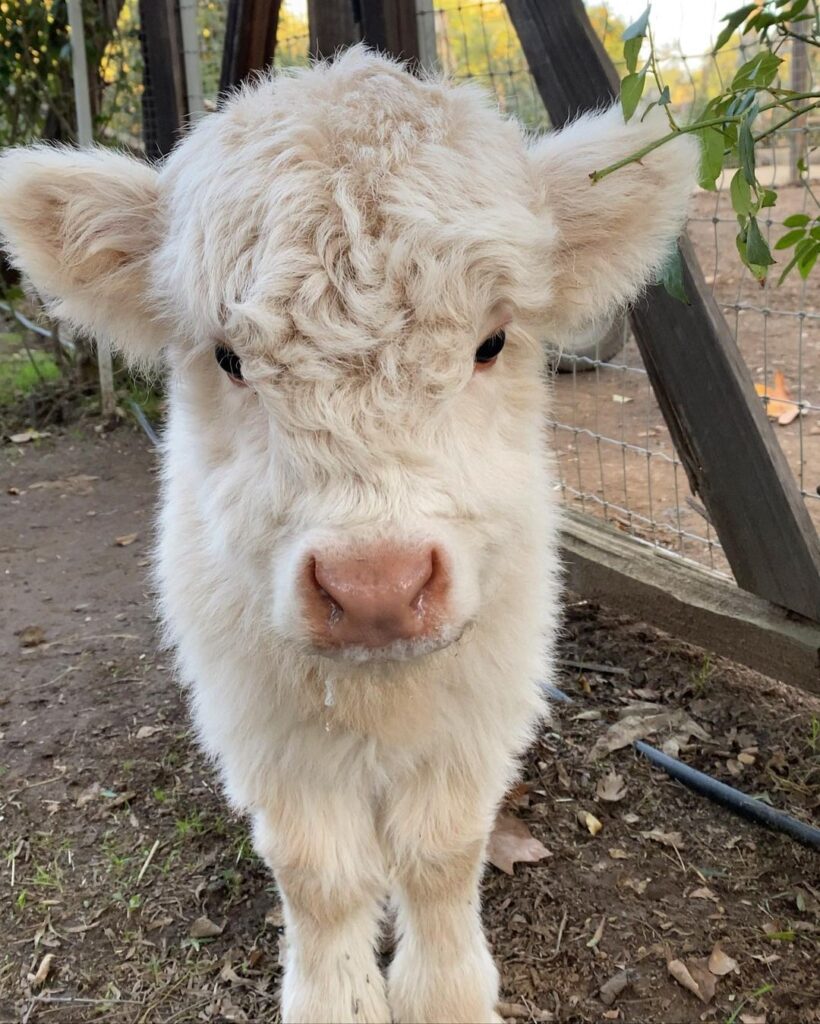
[{"x": 341, "y": 269}]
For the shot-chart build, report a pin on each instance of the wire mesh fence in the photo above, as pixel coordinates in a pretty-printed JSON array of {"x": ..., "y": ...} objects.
[{"x": 616, "y": 459}]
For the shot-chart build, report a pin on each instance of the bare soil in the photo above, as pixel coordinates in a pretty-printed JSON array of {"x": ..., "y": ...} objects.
[{"x": 115, "y": 839}]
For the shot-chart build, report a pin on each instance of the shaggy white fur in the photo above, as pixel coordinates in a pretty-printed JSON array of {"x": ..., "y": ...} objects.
[{"x": 353, "y": 234}]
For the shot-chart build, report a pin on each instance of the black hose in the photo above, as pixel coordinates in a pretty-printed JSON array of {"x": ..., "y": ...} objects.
[
  {"x": 144, "y": 422},
  {"x": 556, "y": 694},
  {"x": 733, "y": 799}
]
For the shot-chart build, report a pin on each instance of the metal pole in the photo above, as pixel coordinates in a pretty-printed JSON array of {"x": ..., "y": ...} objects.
[
  {"x": 798, "y": 136},
  {"x": 85, "y": 137},
  {"x": 190, "y": 51},
  {"x": 426, "y": 26}
]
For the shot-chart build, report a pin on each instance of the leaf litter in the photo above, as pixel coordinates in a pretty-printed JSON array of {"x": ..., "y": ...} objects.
[{"x": 125, "y": 934}]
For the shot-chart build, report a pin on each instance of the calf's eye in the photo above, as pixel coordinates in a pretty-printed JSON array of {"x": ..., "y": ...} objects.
[
  {"x": 487, "y": 353},
  {"x": 230, "y": 362}
]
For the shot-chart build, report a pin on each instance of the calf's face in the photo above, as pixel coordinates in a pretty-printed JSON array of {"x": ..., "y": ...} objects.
[{"x": 341, "y": 269}]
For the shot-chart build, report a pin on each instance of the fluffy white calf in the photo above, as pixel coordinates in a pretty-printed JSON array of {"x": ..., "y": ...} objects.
[{"x": 357, "y": 556}]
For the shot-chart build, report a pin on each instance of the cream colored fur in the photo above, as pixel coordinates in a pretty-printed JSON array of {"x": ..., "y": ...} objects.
[{"x": 354, "y": 234}]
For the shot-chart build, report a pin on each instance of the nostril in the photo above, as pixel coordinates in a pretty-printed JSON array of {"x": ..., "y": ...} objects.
[
  {"x": 323, "y": 585},
  {"x": 424, "y": 579}
]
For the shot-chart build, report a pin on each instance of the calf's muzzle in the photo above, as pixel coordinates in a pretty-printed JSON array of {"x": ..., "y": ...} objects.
[{"x": 374, "y": 596}]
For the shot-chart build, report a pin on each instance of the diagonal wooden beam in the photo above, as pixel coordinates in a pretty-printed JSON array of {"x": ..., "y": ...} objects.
[{"x": 704, "y": 388}]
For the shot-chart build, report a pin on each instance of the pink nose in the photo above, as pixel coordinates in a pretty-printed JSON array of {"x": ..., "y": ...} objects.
[{"x": 375, "y": 596}]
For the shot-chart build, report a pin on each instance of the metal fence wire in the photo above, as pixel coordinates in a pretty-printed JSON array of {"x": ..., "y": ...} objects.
[{"x": 615, "y": 457}]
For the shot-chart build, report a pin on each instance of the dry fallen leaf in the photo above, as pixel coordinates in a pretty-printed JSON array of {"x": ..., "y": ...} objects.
[
  {"x": 28, "y": 435},
  {"x": 621, "y": 399},
  {"x": 80, "y": 483},
  {"x": 753, "y": 1018},
  {"x": 673, "y": 839},
  {"x": 204, "y": 928},
  {"x": 694, "y": 976},
  {"x": 89, "y": 794},
  {"x": 275, "y": 917},
  {"x": 511, "y": 842},
  {"x": 598, "y": 935},
  {"x": 780, "y": 405},
  {"x": 610, "y": 990},
  {"x": 514, "y": 1010},
  {"x": 145, "y": 732},
  {"x": 39, "y": 978},
  {"x": 611, "y": 788},
  {"x": 126, "y": 539},
  {"x": 616, "y": 853},
  {"x": 32, "y": 636},
  {"x": 703, "y": 893},
  {"x": 637, "y": 726},
  {"x": 720, "y": 963},
  {"x": 590, "y": 822}
]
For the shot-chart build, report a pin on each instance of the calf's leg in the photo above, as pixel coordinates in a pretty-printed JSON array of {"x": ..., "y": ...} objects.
[
  {"x": 436, "y": 834},
  {"x": 323, "y": 852}
]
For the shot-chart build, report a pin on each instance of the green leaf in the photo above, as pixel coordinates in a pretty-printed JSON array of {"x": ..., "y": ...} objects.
[
  {"x": 757, "y": 248},
  {"x": 806, "y": 262},
  {"x": 788, "y": 269},
  {"x": 632, "y": 50},
  {"x": 768, "y": 198},
  {"x": 796, "y": 220},
  {"x": 757, "y": 73},
  {"x": 638, "y": 28},
  {"x": 741, "y": 194},
  {"x": 665, "y": 97},
  {"x": 672, "y": 277},
  {"x": 713, "y": 146},
  {"x": 746, "y": 150},
  {"x": 631, "y": 92},
  {"x": 733, "y": 20},
  {"x": 790, "y": 238}
]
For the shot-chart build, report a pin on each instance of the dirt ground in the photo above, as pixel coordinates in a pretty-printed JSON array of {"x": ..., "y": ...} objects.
[
  {"x": 115, "y": 839},
  {"x": 616, "y": 457}
]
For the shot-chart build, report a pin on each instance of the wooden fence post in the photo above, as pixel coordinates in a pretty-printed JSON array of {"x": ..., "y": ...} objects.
[
  {"x": 164, "y": 103},
  {"x": 390, "y": 26},
  {"x": 332, "y": 25},
  {"x": 731, "y": 455},
  {"x": 250, "y": 40},
  {"x": 85, "y": 137}
]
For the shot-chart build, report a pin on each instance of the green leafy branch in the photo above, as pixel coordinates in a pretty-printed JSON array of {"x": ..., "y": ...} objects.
[{"x": 733, "y": 123}]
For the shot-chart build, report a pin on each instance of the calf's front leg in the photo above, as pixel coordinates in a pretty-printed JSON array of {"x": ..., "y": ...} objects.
[
  {"x": 436, "y": 834},
  {"x": 322, "y": 849}
]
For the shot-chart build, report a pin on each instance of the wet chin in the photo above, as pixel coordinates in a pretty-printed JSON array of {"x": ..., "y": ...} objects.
[{"x": 398, "y": 650}]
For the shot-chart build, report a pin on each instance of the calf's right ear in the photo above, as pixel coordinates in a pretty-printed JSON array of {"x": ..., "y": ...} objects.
[{"x": 82, "y": 225}]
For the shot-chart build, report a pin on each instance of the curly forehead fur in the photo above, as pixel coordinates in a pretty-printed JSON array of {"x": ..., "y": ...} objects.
[{"x": 359, "y": 215}]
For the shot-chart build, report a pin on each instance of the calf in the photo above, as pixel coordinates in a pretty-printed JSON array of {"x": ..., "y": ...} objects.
[{"x": 343, "y": 271}]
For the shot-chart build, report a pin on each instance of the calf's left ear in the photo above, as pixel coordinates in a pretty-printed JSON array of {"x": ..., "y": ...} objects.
[
  {"x": 82, "y": 224},
  {"x": 615, "y": 234}
]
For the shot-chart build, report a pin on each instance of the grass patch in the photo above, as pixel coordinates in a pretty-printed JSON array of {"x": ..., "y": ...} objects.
[{"x": 20, "y": 374}]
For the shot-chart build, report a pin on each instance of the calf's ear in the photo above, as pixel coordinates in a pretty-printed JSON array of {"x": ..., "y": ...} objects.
[
  {"x": 613, "y": 235},
  {"x": 82, "y": 224}
]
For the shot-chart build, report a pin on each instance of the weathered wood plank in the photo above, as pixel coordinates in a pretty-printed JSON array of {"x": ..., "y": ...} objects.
[
  {"x": 731, "y": 455},
  {"x": 332, "y": 26},
  {"x": 250, "y": 40},
  {"x": 691, "y": 603}
]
